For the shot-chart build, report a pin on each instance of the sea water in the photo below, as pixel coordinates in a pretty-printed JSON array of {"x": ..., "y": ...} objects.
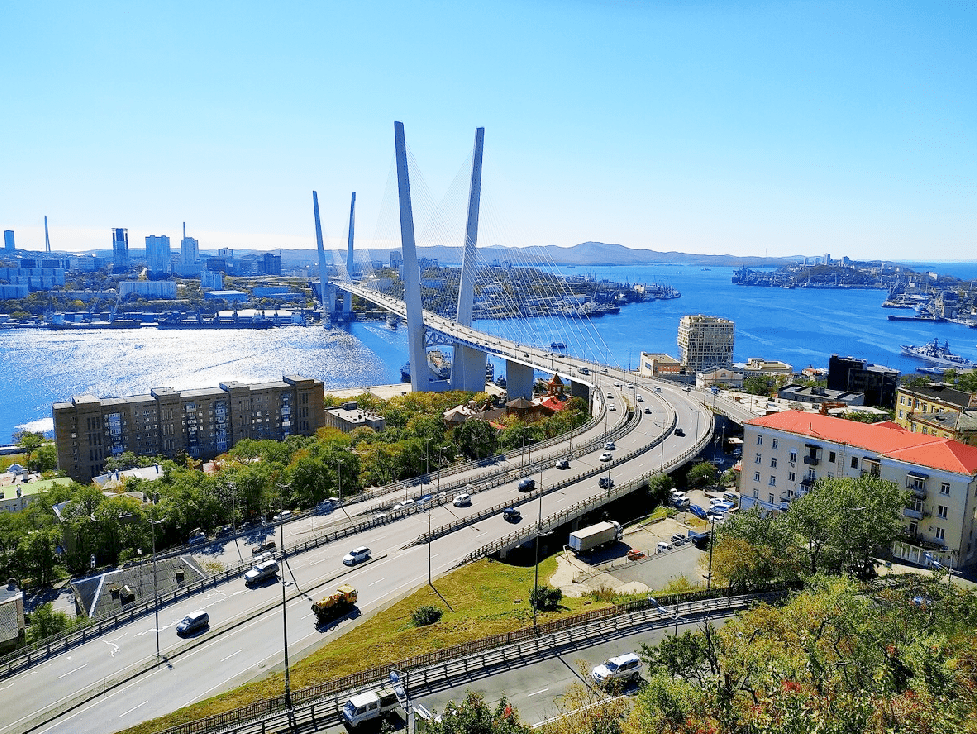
[{"x": 799, "y": 326}]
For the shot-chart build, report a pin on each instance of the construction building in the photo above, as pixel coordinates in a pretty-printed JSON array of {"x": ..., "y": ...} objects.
[
  {"x": 200, "y": 423},
  {"x": 705, "y": 343}
]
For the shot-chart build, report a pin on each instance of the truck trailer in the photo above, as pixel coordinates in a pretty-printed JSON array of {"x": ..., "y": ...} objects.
[
  {"x": 603, "y": 533},
  {"x": 335, "y": 605}
]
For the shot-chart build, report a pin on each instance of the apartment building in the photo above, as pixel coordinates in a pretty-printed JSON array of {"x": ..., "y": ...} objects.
[
  {"x": 785, "y": 453},
  {"x": 938, "y": 410},
  {"x": 200, "y": 423},
  {"x": 705, "y": 343}
]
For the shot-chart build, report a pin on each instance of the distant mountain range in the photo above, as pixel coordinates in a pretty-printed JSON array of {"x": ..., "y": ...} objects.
[{"x": 586, "y": 253}]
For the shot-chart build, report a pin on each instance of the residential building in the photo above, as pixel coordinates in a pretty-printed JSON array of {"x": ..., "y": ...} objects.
[
  {"x": 189, "y": 248},
  {"x": 148, "y": 288},
  {"x": 200, "y": 423},
  {"x": 958, "y": 426},
  {"x": 8, "y": 240},
  {"x": 916, "y": 408},
  {"x": 758, "y": 367},
  {"x": 656, "y": 365},
  {"x": 16, "y": 496},
  {"x": 877, "y": 383},
  {"x": 158, "y": 255},
  {"x": 120, "y": 248},
  {"x": 348, "y": 417},
  {"x": 819, "y": 395},
  {"x": 705, "y": 342},
  {"x": 785, "y": 453}
]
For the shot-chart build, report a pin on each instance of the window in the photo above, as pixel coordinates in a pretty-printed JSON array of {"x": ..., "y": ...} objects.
[
  {"x": 773, "y": 443},
  {"x": 758, "y": 460},
  {"x": 773, "y": 481},
  {"x": 756, "y": 495},
  {"x": 791, "y": 477},
  {"x": 941, "y": 511},
  {"x": 902, "y": 400},
  {"x": 900, "y": 413},
  {"x": 756, "y": 477},
  {"x": 940, "y": 534},
  {"x": 770, "y": 498},
  {"x": 854, "y": 462},
  {"x": 793, "y": 455},
  {"x": 945, "y": 488},
  {"x": 831, "y": 457},
  {"x": 759, "y": 440},
  {"x": 773, "y": 463}
]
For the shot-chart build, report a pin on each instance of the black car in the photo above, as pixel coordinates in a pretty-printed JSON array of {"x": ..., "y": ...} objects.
[
  {"x": 679, "y": 432},
  {"x": 563, "y": 464},
  {"x": 268, "y": 545},
  {"x": 527, "y": 484},
  {"x": 606, "y": 482},
  {"x": 511, "y": 514}
]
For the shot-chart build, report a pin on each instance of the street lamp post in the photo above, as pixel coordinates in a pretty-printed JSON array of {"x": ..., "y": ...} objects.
[
  {"x": 288, "y": 687},
  {"x": 152, "y": 525}
]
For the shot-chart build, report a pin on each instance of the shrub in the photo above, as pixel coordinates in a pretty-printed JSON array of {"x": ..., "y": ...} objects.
[
  {"x": 545, "y": 599},
  {"x": 423, "y": 616}
]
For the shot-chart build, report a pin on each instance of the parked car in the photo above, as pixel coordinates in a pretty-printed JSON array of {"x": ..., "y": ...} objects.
[
  {"x": 264, "y": 547},
  {"x": 511, "y": 514},
  {"x": 563, "y": 464},
  {"x": 527, "y": 484},
  {"x": 357, "y": 555},
  {"x": 194, "y": 621},
  {"x": 697, "y": 511},
  {"x": 681, "y": 503},
  {"x": 733, "y": 497},
  {"x": 678, "y": 540},
  {"x": 606, "y": 483},
  {"x": 283, "y": 516},
  {"x": 663, "y": 547},
  {"x": 462, "y": 500},
  {"x": 607, "y": 456}
]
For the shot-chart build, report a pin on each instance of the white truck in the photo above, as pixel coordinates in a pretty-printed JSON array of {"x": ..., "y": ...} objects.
[
  {"x": 371, "y": 705},
  {"x": 591, "y": 537}
]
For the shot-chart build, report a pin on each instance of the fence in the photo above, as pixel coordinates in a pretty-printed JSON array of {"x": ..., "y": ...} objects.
[{"x": 468, "y": 657}]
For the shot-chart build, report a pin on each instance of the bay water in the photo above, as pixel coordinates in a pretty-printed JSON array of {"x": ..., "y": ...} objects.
[{"x": 800, "y": 326}]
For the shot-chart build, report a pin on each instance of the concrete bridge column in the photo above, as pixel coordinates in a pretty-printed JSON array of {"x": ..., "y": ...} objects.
[
  {"x": 518, "y": 380},
  {"x": 468, "y": 369}
]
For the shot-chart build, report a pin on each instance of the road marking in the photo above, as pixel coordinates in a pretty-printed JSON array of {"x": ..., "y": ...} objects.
[
  {"x": 72, "y": 671},
  {"x": 112, "y": 644},
  {"x": 376, "y": 582},
  {"x": 541, "y": 690},
  {"x": 229, "y": 656},
  {"x": 132, "y": 709}
]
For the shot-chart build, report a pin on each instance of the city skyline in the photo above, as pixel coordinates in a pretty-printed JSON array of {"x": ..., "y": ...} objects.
[{"x": 742, "y": 129}]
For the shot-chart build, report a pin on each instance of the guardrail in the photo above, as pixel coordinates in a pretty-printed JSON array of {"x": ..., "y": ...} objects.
[{"x": 318, "y": 706}]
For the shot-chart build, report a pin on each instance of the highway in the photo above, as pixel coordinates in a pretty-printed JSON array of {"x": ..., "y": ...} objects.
[{"x": 245, "y": 636}]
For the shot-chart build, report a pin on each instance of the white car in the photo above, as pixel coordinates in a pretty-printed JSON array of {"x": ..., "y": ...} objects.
[
  {"x": 611, "y": 407},
  {"x": 462, "y": 500},
  {"x": 622, "y": 667},
  {"x": 607, "y": 456},
  {"x": 403, "y": 504},
  {"x": 357, "y": 555}
]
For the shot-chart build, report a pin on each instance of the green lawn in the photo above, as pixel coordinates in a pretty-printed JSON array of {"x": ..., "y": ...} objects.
[{"x": 483, "y": 599}]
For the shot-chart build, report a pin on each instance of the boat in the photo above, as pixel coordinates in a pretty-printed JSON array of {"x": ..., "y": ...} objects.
[
  {"x": 558, "y": 345},
  {"x": 439, "y": 364},
  {"x": 938, "y": 371},
  {"x": 936, "y": 355},
  {"x": 928, "y": 319}
]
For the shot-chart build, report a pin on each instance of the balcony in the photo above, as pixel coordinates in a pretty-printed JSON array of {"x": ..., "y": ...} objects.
[
  {"x": 911, "y": 513},
  {"x": 812, "y": 460},
  {"x": 918, "y": 491}
]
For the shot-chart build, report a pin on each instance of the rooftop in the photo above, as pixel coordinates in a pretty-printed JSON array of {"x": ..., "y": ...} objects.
[{"x": 886, "y": 439}]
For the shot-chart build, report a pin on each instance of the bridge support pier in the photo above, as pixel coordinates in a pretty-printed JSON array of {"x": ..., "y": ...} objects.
[
  {"x": 468, "y": 369},
  {"x": 518, "y": 380}
]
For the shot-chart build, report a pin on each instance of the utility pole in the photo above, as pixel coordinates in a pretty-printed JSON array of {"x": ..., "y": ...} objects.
[{"x": 288, "y": 687}]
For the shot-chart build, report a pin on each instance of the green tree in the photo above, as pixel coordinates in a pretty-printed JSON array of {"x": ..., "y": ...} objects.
[
  {"x": 702, "y": 474},
  {"x": 45, "y": 459},
  {"x": 474, "y": 716},
  {"x": 476, "y": 439},
  {"x": 45, "y": 622},
  {"x": 29, "y": 441}
]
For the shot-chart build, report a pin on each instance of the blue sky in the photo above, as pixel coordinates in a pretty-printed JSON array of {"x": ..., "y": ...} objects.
[{"x": 709, "y": 127}]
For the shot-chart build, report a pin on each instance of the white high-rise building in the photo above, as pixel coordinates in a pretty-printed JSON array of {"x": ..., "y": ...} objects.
[
  {"x": 705, "y": 343},
  {"x": 158, "y": 253}
]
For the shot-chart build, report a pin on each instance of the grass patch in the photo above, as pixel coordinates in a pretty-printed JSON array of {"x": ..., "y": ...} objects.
[{"x": 486, "y": 598}]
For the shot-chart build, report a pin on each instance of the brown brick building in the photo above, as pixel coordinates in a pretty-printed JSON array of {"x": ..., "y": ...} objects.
[{"x": 201, "y": 423}]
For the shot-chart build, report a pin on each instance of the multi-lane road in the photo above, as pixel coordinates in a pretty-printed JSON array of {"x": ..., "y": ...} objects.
[{"x": 246, "y": 636}]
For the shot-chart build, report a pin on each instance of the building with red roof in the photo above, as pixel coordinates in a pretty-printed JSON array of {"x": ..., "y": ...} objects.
[{"x": 785, "y": 453}]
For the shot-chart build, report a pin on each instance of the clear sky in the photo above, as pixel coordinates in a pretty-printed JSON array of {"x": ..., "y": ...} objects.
[{"x": 773, "y": 128}]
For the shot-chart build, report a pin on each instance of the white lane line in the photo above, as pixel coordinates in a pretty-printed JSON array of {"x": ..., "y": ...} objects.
[
  {"x": 72, "y": 671},
  {"x": 132, "y": 709},
  {"x": 376, "y": 582},
  {"x": 536, "y": 693},
  {"x": 230, "y": 656}
]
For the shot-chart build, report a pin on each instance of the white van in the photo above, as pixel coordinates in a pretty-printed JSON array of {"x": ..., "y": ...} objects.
[{"x": 663, "y": 547}]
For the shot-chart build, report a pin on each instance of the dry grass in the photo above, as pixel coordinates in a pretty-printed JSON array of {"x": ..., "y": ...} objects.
[{"x": 483, "y": 599}]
